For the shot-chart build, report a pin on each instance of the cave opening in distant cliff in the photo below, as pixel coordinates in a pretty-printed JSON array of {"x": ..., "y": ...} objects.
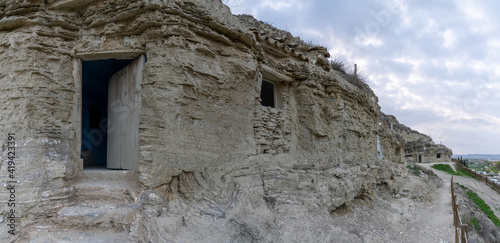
[
  {"x": 110, "y": 112},
  {"x": 438, "y": 156}
]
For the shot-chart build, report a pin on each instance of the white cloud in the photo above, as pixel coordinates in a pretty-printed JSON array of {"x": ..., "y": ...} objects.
[
  {"x": 278, "y": 5},
  {"x": 450, "y": 38}
]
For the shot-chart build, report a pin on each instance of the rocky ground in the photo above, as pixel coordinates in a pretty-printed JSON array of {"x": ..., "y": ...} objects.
[
  {"x": 487, "y": 231},
  {"x": 412, "y": 208},
  {"x": 421, "y": 212}
]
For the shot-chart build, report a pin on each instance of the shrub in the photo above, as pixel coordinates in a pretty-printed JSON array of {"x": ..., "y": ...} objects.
[{"x": 338, "y": 63}]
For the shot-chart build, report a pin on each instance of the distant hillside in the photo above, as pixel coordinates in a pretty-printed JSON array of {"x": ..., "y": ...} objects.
[{"x": 478, "y": 156}]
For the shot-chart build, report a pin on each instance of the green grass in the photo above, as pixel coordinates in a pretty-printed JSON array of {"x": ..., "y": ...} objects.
[
  {"x": 447, "y": 168},
  {"x": 460, "y": 185},
  {"x": 463, "y": 172},
  {"x": 484, "y": 207},
  {"x": 475, "y": 223},
  {"x": 444, "y": 167}
]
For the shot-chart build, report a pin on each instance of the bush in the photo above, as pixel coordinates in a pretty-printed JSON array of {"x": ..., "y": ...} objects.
[{"x": 339, "y": 64}]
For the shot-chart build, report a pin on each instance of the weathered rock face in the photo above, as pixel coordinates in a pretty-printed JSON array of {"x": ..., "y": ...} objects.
[
  {"x": 417, "y": 147},
  {"x": 214, "y": 163}
]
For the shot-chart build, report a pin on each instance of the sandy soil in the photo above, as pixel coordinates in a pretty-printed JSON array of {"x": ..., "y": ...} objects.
[
  {"x": 435, "y": 223},
  {"x": 427, "y": 221}
]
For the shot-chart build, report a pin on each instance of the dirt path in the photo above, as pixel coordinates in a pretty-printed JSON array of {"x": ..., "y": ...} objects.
[
  {"x": 491, "y": 197},
  {"x": 435, "y": 223}
]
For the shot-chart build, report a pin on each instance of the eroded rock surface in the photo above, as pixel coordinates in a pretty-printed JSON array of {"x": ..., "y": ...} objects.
[{"x": 215, "y": 164}]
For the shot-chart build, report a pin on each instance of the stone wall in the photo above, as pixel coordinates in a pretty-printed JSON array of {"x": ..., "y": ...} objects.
[
  {"x": 272, "y": 130},
  {"x": 212, "y": 159},
  {"x": 39, "y": 105}
]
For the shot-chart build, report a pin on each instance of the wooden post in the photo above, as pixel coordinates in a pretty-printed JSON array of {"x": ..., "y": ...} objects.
[
  {"x": 463, "y": 232},
  {"x": 455, "y": 220}
]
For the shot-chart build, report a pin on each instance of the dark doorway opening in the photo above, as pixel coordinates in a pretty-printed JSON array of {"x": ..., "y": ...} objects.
[
  {"x": 267, "y": 94},
  {"x": 438, "y": 156},
  {"x": 95, "y": 78},
  {"x": 419, "y": 158}
]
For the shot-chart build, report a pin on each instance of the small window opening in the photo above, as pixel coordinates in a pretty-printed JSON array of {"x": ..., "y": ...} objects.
[
  {"x": 267, "y": 94},
  {"x": 438, "y": 156}
]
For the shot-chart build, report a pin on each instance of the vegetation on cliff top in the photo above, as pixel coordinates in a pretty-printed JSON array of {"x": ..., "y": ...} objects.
[{"x": 353, "y": 77}]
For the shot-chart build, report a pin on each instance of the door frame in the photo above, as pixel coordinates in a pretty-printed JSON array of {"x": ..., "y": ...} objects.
[{"x": 77, "y": 79}]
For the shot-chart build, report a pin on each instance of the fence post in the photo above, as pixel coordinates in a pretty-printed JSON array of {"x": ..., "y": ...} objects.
[
  {"x": 455, "y": 211},
  {"x": 463, "y": 232}
]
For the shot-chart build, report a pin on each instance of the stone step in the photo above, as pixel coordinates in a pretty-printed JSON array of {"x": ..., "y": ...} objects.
[
  {"x": 103, "y": 199},
  {"x": 102, "y": 174},
  {"x": 105, "y": 216},
  {"x": 105, "y": 192},
  {"x": 110, "y": 186}
]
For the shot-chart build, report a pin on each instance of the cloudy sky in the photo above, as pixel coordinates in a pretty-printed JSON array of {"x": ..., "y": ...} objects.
[{"x": 434, "y": 65}]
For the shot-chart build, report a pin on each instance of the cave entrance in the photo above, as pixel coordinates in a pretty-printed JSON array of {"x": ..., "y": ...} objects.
[
  {"x": 438, "y": 156},
  {"x": 111, "y": 100},
  {"x": 419, "y": 158}
]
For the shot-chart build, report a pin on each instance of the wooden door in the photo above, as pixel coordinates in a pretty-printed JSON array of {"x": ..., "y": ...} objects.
[{"x": 124, "y": 103}]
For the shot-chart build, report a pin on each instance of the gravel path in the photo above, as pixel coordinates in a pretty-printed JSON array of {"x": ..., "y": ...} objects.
[
  {"x": 439, "y": 217},
  {"x": 435, "y": 224},
  {"x": 490, "y": 196}
]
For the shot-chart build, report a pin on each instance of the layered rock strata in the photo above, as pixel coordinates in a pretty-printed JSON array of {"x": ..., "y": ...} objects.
[{"x": 214, "y": 163}]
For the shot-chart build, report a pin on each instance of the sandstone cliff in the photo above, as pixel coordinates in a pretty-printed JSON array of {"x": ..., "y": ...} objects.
[
  {"x": 214, "y": 163},
  {"x": 418, "y": 147}
]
